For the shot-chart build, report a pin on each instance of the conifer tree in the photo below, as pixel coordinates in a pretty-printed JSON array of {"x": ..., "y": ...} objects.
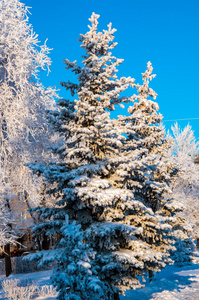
[
  {"x": 75, "y": 273},
  {"x": 145, "y": 146},
  {"x": 111, "y": 184},
  {"x": 150, "y": 173}
]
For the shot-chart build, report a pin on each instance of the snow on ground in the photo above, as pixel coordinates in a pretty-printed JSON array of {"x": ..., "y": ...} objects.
[
  {"x": 173, "y": 283},
  {"x": 38, "y": 278}
]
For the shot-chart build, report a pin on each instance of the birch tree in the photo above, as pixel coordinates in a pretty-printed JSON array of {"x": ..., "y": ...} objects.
[
  {"x": 24, "y": 132},
  {"x": 186, "y": 184}
]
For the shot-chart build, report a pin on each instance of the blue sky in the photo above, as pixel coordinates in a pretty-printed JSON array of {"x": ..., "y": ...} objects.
[{"x": 165, "y": 32}]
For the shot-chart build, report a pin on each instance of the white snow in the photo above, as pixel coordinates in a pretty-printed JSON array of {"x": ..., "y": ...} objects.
[
  {"x": 173, "y": 283},
  {"x": 38, "y": 278}
]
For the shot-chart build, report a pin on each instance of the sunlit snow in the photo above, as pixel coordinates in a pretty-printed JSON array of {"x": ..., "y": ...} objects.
[{"x": 173, "y": 283}]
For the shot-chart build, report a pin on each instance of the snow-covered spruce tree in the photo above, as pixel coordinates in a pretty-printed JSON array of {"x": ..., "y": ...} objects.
[
  {"x": 90, "y": 137},
  {"x": 23, "y": 125},
  {"x": 150, "y": 173},
  {"x": 75, "y": 271},
  {"x": 95, "y": 184},
  {"x": 145, "y": 146}
]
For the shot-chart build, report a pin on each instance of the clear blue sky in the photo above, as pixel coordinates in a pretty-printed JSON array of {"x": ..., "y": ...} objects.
[{"x": 165, "y": 32}]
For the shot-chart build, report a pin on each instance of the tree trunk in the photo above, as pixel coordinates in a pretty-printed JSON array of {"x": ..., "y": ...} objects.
[
  {"x": 150, "y": 275},
  {"x": 8, "y": 267},
  {"x": 26, "y": 200},
  {"x": 116, "y": 296},
  {"x": 38, "y": 243},
  {"x": 197, "y": 242},
  {"x": 45, "y": 242}
]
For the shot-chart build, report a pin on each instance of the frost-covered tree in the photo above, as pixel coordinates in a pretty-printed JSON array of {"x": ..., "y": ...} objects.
[
  {"x": 6, "y": 236},
  {"x": 184, "y": 141},
  {"x": 145, "y": 146},
  {"x": 111, "y": 179},
  {"x": 183, "y": 151},
  {"x": 148, "y": 173},
  {"x": 154, "y": 173},
  {"x": 186, "y": 184},
  {"x": 24, "y": 130},
  {"x": 75, "y": 272},
  {"x": 82, "y": 188}
]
